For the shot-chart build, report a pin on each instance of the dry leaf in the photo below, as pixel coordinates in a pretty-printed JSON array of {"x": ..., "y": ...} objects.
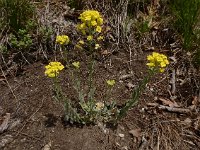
[
  {"x": 187, "y": 122},
  {"x": 13, "y": 123},
  {"x": 47, "y": 146},
  {"x": 121, "y": 135},
  {"x": 2, "y": 78},
  {"x": 105, "y": 52},
  {"x": 130, "y": 86},
  {"x": 195, "y": 100},
  {"x": 169, "y": 103},
  {"x": 197, "y": 124},
  {"x": 135, "y": 132},
  {"x": 156, "y": 3},
  {"x": 4, "y": 124}
]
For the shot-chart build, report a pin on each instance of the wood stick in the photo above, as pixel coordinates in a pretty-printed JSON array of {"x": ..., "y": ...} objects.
[{"x": 170, "y": 109}]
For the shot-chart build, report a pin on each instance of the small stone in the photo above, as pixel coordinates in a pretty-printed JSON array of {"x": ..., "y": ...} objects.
[{"x": 121, "y": 135}]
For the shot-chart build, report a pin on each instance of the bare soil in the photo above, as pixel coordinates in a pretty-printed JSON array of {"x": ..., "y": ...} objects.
[{"x": 38, "y": 117}]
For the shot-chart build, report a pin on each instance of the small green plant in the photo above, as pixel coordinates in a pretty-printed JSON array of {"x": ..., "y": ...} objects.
[
  {"x": 87, "y": 109},
  {"x": 147, "y": 21},
  {"x": 187, "y": 16},
  {"x": 3, "y": 49},
  {"x": 45, "y": 34},
  {"x": 16, "y": 13},
  {"x": 22, "y": 42}
]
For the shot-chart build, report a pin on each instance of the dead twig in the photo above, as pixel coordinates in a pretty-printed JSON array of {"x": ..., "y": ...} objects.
[
  {"x": 173, "y": 81},
  {"x": 170, "y": 109},
  {"x": 30, "y": 136},
  {"x": 126, "y": 76},
  {"x": 4, "y": 75}
]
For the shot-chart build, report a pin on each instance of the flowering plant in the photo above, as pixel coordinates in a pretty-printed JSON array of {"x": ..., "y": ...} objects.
[
  {"x": 62, "y": 39},
  {"x": 157, "y": 61},
  {"x": 91, "y": 20},
  {"x": 53, "y": 69},
  {"x": 90, "y": 109},
  {"x": 91, "y": 28}
]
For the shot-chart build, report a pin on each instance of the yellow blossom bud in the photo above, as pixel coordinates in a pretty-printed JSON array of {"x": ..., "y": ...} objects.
[
  {"x": 89, "y": 38},
  {"x": 62, "y": 39},
  {"x": 81, "y": 42},
  {"x": 97, "y": 46},
  {"x": 93, "y": 23},
  {"x": 98, "y": 29}
]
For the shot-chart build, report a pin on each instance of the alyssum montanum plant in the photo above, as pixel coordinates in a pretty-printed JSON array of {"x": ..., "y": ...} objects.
[{"x": 91, "y": 110}]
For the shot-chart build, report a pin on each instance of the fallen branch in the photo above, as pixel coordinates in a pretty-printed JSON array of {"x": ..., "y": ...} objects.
[
  {"x": 170, "y": 109},
  {"x": 173, "y": 82}
]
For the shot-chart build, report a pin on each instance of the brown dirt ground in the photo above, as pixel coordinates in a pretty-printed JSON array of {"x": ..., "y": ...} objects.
[{"x": 40, "y": 116}]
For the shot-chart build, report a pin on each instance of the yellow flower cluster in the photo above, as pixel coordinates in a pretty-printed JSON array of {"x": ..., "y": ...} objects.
[
  {"x": 62, "y": 39},
  {"x": 91, "y": 28},
  {"x": 157, "y": 60},
  {"x": 91, "y": 20},
  {"x": 53, "y": 69}
]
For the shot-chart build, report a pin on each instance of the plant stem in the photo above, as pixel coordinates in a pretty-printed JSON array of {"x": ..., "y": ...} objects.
[
  {"x": 91, "y": 70},
  {"x": 135, "y": 95}
]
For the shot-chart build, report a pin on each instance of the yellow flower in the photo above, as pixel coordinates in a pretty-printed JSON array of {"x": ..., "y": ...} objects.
[
  {"x": 98, "y": 29},
  {"x": 99, "y": 106},
  {"x": 88, "y": 18},
  {"x": 93, "y": 23},
  {"x": 81, "y": 42},
  {"x": 110, "y": 82},
  {"x": 157, "y": 60},
  {"x": 162, "y": 70},
  {"x": 81, "y": 26},
  {"x": 62, "y": 39},
  {"x": 76, "y": 64},
  {"x": 97, "y": 46},
  {"x": 53, "y": 69},
  {"x": 100, "y": 21},
  {"x": 90, "y": 15},
  {"x": 89, "y": 38},
  {"x": 100, "y": 38}
]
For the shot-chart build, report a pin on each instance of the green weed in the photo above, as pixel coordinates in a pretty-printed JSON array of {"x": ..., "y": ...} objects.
[
  {"x": 187, "y": 16},
  {"x": 22, "y": 41},
  {"x": 16, "y": 13}
]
